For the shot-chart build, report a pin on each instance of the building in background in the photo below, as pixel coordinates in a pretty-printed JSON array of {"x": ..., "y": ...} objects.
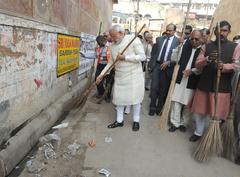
[{"x": 171, "y": 11}]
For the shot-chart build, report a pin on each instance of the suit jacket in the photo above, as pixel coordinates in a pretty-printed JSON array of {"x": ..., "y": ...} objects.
[
  {"x": 157, "y": 48},
  {"x": 184, "y": 59}
]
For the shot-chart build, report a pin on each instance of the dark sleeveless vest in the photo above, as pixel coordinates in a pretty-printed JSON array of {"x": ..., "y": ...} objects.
[
  {"x": 185, "y": 56},
  {"x": 207, "y": 80}
]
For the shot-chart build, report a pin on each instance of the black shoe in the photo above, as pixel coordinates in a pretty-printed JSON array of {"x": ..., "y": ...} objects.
[
  {"x": 182, "y": 128},
  {"x": 151, "y": 112},
  {"x": 99, "y": 96},
  {"x": 237, "y": 160},
  {"x": 172, "y": 128},
  {"x": 108, "y": 100},
  {"x": 194, "y": 138},
  {"x": 115, "y": 124},
  {"x": 158, "y": 112},
  {"x": 135, "y": 126}
]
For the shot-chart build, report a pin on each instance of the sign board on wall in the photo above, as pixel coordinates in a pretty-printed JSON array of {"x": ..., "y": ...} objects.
[
  {"x": 68, "y": 53},
  {"x": 87, "y": 51}
]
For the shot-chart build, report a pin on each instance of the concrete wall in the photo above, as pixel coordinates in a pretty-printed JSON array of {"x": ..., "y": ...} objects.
[
  {"x": 229, "y": 10},
  {"x": 28, "y": 52}
]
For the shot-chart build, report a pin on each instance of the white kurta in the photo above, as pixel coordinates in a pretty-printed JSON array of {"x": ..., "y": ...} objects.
[
  {"x": 128, "y": 86},
  {"x": 181, "y": 93}
]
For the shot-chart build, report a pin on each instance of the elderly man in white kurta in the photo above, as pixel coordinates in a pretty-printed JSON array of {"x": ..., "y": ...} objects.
[
  {"x": 186, "y": 81},
  {"x": 128, "y": 86}
]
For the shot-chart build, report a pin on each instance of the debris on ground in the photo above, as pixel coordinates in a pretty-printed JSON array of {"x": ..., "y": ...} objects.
[
  {"x": 53, "y": 138},
  {"x": 31, "y": 157},
  {"x": 108, "y": 139},
  {"x": 104, "y": 172},
  {"x": 48, "y": 151},
  {"x": 34, "y": 166},
  {"x": 73, "y": 148},
  {"x": 63, "y": 125},
  {"x": 66, "y": 156},
  {"x": 92, "y": 143}
]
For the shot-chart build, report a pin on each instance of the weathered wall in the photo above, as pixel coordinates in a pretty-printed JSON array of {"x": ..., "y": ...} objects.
[
  {"x": 76, "y": 15},
  {"x": 28, "y": 52},
  {"x": 229, "y": 10}
]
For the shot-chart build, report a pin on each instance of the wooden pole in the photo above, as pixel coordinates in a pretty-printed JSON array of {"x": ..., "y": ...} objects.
[
  {"x": 206, "y": 14},
  {"x": 211, "y": 142},
  {"x": 187, "y": 15}
]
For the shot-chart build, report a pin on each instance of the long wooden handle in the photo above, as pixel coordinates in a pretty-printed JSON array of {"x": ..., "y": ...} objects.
[
  {"x": 113, "y": 64},
  {"x": 218, "y": 72}
]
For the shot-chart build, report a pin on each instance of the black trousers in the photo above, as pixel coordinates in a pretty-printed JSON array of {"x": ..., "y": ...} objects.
[
  {"x": 159, "y": 88},
  {"x": 109, "y": 83},
  {"x": 106, "y": 82}
]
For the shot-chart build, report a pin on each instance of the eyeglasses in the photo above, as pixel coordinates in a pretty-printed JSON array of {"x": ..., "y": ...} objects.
[
  {"x": 223, "y": 30},
  {"x": 186, "y": 33},
  {"x": 196, "y": 39}
]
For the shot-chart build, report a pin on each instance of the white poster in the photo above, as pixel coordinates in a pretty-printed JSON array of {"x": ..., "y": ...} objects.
[{"x": 87, "y": 52}]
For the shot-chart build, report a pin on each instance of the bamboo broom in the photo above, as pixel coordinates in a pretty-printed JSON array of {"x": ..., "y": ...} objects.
[
  {"x": 107, "y": 89},
  {"x": 211, "y": 142},
  {"x": 228, "y": 129},
  {"x": 167, "y": 105},
  {"x": 79, "y": 101}
]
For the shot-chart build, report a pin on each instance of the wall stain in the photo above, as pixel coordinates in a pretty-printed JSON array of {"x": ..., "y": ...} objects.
[
  {"x": 8, "y": 52},
  {"x": 40, "y": 47},
  {"x": 4, "y": 110}
]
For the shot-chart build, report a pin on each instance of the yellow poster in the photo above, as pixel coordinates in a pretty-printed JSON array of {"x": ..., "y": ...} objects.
[{"x": 68, "y": 53}]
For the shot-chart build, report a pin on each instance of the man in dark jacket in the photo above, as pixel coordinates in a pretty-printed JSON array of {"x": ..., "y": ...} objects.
[
  {"x": 186, "y": 82},
  {"x": 162, "y": 67},
  {"x": 203, "y": 102}
]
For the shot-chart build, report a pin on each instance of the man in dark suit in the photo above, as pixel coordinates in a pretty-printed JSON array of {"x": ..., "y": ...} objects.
[{"x": 162, "y": 67}]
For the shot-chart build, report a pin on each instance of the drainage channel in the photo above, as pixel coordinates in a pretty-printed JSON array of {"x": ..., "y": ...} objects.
[{"x": 20, "y": 167}]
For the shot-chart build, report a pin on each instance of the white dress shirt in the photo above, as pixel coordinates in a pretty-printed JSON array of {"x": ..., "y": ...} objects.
[{"x": 170, "y": 39}]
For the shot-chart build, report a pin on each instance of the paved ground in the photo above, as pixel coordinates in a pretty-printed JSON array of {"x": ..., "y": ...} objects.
[{"x": 147, "y": 153}]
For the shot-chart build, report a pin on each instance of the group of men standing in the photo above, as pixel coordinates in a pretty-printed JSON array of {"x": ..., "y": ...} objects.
[{"x": 196, "y": 79}]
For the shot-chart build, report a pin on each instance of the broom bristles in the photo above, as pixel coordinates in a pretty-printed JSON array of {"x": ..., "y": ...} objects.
[
  {"x": 228, "y": 138},
  {"x": 210, "y": 143}
]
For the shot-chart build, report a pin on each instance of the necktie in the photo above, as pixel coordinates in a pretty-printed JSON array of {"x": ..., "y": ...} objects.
[{"x": 164, "y": 49}]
